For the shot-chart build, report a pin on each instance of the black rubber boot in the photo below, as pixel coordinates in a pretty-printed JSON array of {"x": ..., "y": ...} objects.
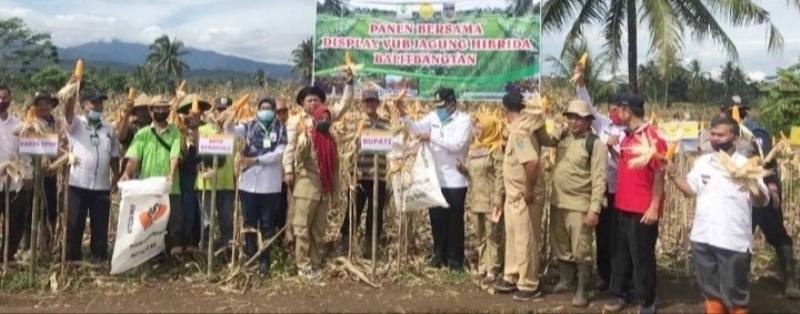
[
  {"x": 250, "y": 244},
  {"x": 581, "y": 298},
  {"x": 566, "y": 276},
  {"x": 788, "y": 268}
]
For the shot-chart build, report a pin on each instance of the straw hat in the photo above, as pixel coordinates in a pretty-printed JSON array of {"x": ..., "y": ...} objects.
[{"x": 143, "y": 100}]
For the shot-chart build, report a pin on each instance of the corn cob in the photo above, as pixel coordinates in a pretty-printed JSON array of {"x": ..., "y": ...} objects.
[{"x": 131, "y": 94}]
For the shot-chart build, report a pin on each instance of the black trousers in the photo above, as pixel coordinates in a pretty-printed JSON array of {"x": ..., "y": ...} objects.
[
  {"x": 722, "y": 274},
  {"x": 19, "y": 206},
  {"x": 635, "y": 251},
  {"x": 770, "y": 221},
  {"x": 447, "y": 227},
  {"x": 283, "y": 209},
  {"x": 176, "y": 232},
  {"x": 364, "y": 194},
  {"x": 259, "y": 213},
  {"x": 95, "y": 204},
  {"x": 607, "y": 236}
]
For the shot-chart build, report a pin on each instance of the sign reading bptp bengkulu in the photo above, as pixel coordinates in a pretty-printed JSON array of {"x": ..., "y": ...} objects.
[
  {"x": 42, "y": 145},
  {"x": 378, "y": 141},
  {"x": 215, "y": 145}
]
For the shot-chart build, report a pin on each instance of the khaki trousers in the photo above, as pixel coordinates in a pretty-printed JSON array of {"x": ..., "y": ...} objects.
[
  {"x": 571, "y": 239},
  {"x": 523, "y": 234},
  {"x": 488, "y": 234},
  {"x": 309, "y": 220}
]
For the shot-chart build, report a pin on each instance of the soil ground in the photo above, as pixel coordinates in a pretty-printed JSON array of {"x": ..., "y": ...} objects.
[{"x": 285, "y": 295}]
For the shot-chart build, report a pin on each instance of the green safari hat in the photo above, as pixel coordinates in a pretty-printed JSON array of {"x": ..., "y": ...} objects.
[{"x": 186, "y": 104}]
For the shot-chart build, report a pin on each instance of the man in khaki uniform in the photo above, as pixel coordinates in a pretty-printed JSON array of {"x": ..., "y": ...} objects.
[
  {"x": 579, "y": 186},
  {"x": 302, "y": 174},
  {"x": 523, "y": 221}
]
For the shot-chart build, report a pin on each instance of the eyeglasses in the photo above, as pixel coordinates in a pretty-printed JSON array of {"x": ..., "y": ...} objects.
[{"x": 282, "y": 110}]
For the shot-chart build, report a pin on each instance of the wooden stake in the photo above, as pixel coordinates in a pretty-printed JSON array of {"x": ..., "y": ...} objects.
[
  {"x": 374, "y": 213},
  {"x": 64, "y": 221},
  {"x": 211, "y": 211},
  {"x": 34, "y": 236},
  {"x": 6, "y": 227}
]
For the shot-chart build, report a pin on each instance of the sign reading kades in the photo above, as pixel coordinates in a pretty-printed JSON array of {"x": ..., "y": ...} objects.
[
  {"x": 215, "y": 145},
  {"x": 376, "y": 141},
  {"x": 143, "y": 216},
  {"x": 45, "y": 144}
]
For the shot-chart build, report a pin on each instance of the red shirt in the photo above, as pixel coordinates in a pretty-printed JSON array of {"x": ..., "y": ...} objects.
[{"x": 635, "y": 185}]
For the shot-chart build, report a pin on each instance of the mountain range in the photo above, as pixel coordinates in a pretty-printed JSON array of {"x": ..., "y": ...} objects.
[{"x": 124, "y": 56}]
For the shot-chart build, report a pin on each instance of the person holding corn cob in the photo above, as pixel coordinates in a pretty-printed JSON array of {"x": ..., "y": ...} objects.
[
  {"x": 311, "y": 173},
  {"x": 721, "y": 233},
  {"x": 484, "y": 167},
  {"x": 94, "y": 144},
  {"x": 639, "y": 202},
  {"x": 187, "y": 115},
  {"x": 522, "y": 216},
  {"x": 19, "y": 195},
  {"x": 758, "y": 142},
  {"x": 43, "y": 105}
]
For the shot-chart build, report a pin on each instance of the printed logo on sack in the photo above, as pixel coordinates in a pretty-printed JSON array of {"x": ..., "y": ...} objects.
[
  {"x": 449, "y": 11},
  {"x": 152, "y": 214}
]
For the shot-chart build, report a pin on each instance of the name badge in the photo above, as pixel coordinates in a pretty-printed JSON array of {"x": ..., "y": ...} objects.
[
  {"x": 273, "y": 137},
  {"x": 267, "y": 143},
  {"x": 95, "y": 140}
]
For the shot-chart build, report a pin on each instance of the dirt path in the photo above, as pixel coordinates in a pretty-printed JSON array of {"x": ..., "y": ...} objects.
[{"x": 343, "y": 295}]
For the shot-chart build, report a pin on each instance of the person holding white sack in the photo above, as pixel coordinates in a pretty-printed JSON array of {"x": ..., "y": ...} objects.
[{"x": 448, "y": 133}]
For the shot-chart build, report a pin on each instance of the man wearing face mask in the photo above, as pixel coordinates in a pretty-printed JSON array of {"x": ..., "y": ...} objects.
[
  {"x": 722, "y": 230},
  {"x": 769, "y": 219},
  {"x": 449, "y": 133},
  {"x": 370, "y": 102},
  {"x": 309, "y": 164},
  {"x": 20, "y": 197},
  {"x": 135, "y": 117},
  {"x": 610, "y": 130},
  {"x": 43, "y": 105},
  {"x": 157, "y": 149},
  {"x": 94, "y": 143}
]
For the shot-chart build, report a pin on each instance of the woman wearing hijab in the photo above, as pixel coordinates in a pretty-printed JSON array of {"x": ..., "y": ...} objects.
[{"x": 485, "y": 170}]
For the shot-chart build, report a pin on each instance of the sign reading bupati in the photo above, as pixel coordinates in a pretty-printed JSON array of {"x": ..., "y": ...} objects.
[
  {"x": 482, "y": 49},
  {"x": 43, "y": 145},
  {"x": 685, "y": 130},
  {"x": 794, "y": 136},
  {"x": 376, "y": 141},
  {"x": 215, "y": 145}
]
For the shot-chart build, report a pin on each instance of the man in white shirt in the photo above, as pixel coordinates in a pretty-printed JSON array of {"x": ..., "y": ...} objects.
[
  {"x": 94, "y": 142},
  {"x": 20, "y": 198},
  {"x": 448, "y": 132},
  {"x": 722, "y": 229}
]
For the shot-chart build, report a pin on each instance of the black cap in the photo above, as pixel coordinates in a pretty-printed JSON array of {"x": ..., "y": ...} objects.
[
  {"x": 222, "y": 102},
  {"x": 445, "y": 95},
  {"x": 268, "y": 100},
  {"x": 92, "y": 96},
  {"x": 513, "y": 101},
  {"x": 310, "y": 90},
  {"x": 45, "y": 95},
  {"x": 631, "y": 100},
  {"x": 370, "y": 94}
]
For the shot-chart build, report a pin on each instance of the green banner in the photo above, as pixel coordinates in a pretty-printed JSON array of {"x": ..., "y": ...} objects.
[{"x": 482, "y": 49}]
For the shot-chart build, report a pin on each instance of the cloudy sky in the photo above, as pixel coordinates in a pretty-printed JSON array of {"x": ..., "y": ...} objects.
[{"x": 268, "y": 30}]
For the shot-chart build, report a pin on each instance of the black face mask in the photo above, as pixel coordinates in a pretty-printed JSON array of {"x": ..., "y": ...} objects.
[
  {"x": 323, "y": 126},
  {"x": 4, "y": 105},
  {"x": 724, "y": 146},
  {"x": 160, "y": 117}
]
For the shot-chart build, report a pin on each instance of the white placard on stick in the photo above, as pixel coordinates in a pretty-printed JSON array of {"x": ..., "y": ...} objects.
[
  {"x": 42, "y": 145},
  {"x": 216, "y": 145},
  {"x": 379, "y": 141}
]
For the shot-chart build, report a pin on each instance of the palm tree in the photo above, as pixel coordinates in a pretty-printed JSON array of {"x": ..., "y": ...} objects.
[
  {"x": 303, "y": 58},
  {"x": 596, "y": 67},
  {"x": 166, "y": 56},
  {"x": 698, "y": 80},
  {"x": 665, "y": 20},
  {"x": 781, "y": 107}
]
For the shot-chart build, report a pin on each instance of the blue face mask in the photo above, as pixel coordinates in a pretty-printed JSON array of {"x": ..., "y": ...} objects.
[
  {"x": 93, "y": 116},
  {"x": 442, "y": 113},
  {"x": 266, "y": 115}
]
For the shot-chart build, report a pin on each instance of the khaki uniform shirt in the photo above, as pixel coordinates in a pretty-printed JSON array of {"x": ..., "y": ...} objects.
[
  {"x": 485, "y": 180},
  {"x": 300, "y": 159},
  {"x": 522, "y": 147},
  {"x": 579, "y": 184}
]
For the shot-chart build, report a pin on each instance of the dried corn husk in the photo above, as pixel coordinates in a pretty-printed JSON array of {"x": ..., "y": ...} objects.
[
  {"x": 349, "y": 65},
  {"x": 66, "y": 158},
  {"x": 16, "y": 170},
  {"x": 32, "y": 125},
  {"x": 748, "y": 175},
  {"x": 783, "y": 147},
  {"x": 71, "y": 88},
  {"x": 643, "y": 151}
]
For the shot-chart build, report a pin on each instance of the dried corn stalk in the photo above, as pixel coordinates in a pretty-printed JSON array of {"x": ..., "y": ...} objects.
[{"x": 16, "y": 170}]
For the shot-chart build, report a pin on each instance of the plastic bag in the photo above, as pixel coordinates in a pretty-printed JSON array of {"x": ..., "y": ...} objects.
[
  {"x": 143, "y": 217},
  {"x": 416, "y": 186}
]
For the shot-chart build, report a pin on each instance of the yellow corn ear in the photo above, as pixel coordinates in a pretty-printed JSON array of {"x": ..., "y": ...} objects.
[
  {"x": 182, "y": 86},
  {"x": 735, "y": 115},
  {"x": 583, "y": 60},
  {"x": 671, "y": 148},
  {"x": 241, "y": 102},
  {"x": 78, "y": 69},
  {"x": 131, "y": 93},
  {"x": 545, "y": 104},
  {"x": 31, "y": 115},
  {"x": 784, "y": 137},
  {"x": 195, "y": 105}
]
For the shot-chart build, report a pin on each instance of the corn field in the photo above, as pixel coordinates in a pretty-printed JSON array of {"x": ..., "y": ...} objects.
[{"x": 408, "y": 236}]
